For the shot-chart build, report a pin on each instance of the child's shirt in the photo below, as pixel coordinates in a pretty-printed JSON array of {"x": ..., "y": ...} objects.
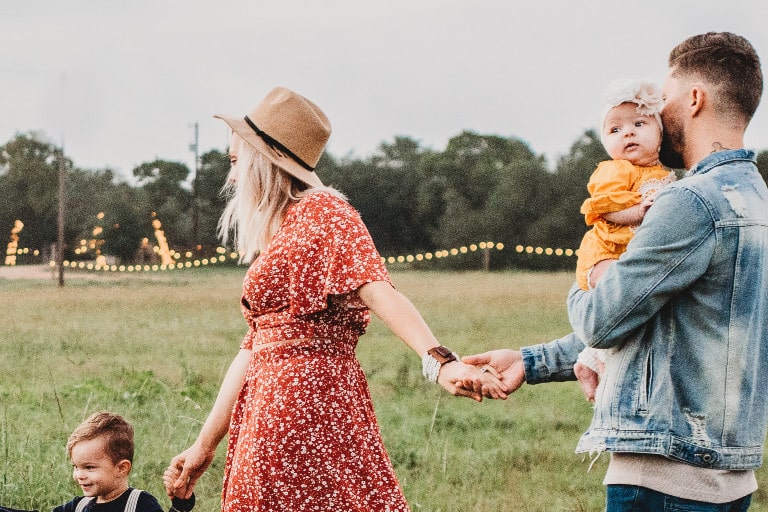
[
  {"x": 616, "y": 185},
  {"x": 145, "y": 503}
]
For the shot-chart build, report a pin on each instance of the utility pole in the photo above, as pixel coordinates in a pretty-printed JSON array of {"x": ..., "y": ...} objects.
[
  {"x": 62, "y": 193},
  {"x": 195, "y": 213},
  {"x": 62, "y": 202}
]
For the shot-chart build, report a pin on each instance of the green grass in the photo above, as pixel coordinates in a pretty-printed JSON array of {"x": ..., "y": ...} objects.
[{"x": 154, "y": 348}]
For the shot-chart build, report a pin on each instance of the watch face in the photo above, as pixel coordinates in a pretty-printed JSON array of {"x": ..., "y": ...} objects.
[
  {"x": 442, "y": 351},
  {"x": 442, "y": 354}
]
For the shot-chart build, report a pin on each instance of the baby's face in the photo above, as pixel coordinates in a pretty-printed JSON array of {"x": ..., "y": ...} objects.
[
  {"x": 95, "y": 473},
  {"x": 628, "y": 135}
]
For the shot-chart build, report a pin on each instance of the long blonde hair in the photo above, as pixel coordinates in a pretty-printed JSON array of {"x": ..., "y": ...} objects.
[{"x": 259, "y": 195}]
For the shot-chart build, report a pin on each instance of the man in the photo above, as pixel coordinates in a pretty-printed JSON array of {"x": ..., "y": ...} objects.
[{"x": 683, "y": 402}]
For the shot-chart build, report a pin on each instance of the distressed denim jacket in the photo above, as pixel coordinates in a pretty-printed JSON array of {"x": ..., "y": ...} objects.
[{"x": 684, "y": 316}]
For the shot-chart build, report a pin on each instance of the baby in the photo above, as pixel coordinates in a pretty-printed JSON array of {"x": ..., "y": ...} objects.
[{"x": 621, "y": 189}]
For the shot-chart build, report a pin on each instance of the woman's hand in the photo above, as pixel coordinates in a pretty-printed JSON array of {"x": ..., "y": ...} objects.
[
  {"x": 505, "y": 364},
  {"x": 483, "y": 382},
  {"x": 186, "y": 469}
]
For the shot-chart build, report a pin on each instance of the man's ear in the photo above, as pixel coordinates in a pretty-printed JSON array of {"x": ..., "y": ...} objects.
[{"x": 698, "y": 97}]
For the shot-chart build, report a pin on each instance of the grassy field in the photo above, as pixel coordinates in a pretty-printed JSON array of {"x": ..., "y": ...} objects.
[{"x": 155, "y": 347}]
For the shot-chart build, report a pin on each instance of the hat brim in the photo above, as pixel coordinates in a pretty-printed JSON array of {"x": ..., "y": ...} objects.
[{"x": 283, "y": 161}]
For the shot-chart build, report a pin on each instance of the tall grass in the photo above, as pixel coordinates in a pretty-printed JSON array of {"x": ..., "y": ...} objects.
[{"x": 154, "y": 348}]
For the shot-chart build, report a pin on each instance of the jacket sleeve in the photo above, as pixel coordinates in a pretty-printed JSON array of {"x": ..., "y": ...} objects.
[
  {"x": 553, "y": 361},
  {"x": 662, "y": 259}
]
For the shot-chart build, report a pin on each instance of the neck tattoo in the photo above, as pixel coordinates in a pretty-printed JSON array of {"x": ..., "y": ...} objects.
[{"x": 716, "y": 146}]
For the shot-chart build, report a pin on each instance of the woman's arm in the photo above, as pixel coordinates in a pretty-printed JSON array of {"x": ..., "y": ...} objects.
[
  {"x": 193, "y": 462},
  {"x": 405, "y": 321}
]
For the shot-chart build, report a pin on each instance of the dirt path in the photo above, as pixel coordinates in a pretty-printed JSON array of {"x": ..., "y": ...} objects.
[{"x": 37, "y": 272}]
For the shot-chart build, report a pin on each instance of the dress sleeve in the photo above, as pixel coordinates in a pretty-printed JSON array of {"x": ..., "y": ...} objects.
[
  {"x": 610, "y": 190},
  {"x": 334, "y": 255}
]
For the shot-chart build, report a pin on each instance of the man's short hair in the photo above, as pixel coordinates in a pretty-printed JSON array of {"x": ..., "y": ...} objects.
[{"x": 727, "y": 62}]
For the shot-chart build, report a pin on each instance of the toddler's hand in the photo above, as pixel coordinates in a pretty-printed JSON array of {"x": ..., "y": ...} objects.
[{"x": 588, "y": 379}]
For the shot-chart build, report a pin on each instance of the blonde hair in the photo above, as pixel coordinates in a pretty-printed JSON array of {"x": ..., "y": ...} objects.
[
  {"x": 116, "y": 431},
  {"x": 259, "y": 195}
]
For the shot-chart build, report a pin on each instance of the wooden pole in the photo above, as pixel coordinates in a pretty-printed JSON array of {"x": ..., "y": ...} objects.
[
  {"x": 195, "y": 207},
  {"x": 62, "y": 202}
]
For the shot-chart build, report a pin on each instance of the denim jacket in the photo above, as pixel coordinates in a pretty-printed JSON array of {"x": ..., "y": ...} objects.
[{"x": 684, "y": 316}]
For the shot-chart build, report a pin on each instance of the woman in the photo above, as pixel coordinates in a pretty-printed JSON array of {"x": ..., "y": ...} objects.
[{"x": 302, "y": 430}]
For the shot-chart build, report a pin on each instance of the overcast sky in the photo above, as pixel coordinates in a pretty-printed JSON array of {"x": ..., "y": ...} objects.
[{"x": 122, "y": 82}]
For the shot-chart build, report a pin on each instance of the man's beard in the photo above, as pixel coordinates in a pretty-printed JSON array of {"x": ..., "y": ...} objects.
[{"x": 669, "y": 154}]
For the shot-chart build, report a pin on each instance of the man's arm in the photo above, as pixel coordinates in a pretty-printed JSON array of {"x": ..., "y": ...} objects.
[
  {"x": 553, "y": 361},
  {"x": 547, "y": 362},
  {"x": 671, "y": 249}
]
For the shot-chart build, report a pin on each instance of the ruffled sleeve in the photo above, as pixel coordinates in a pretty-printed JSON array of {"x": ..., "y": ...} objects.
[
  {"x": 610, "y": 190},
  {"x": 333, "y": 253}
]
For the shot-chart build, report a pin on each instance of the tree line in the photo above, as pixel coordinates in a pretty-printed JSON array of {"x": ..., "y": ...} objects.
[{"x": 413, "y": 199}]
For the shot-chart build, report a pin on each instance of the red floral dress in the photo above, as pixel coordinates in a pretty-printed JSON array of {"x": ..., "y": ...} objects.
[{"x": 303, "y": 434}]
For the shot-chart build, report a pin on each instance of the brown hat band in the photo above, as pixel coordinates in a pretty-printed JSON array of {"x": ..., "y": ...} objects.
[{"x": 275, "y": 144}]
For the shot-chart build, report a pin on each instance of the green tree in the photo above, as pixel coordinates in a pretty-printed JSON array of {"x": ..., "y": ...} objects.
[
  {"x": 563, "y": 221},
  {"x": 762, "y": 164},
  {"x": 162, "y": 184},
  {"x": 474, "y": 163},
  {"x": 385, "y": 190},
  {"x": 29, "y": 189},
  {"x": 96, "y": 199},
  {"x": 518, "y": 202},
  {"x": 486, "y": 183},
  {"x": 396, "y": 175},
  {"x": 212, "y": 174}
]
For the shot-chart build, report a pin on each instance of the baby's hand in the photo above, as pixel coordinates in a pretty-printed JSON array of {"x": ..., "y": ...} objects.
[{"x": 644, "y": 206}]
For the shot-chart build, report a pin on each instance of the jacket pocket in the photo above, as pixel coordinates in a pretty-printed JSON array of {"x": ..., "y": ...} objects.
[{"x": 644, "y": 393}]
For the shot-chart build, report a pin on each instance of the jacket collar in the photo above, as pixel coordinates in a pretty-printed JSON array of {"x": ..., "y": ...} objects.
[{"x": 721, "y": 157}]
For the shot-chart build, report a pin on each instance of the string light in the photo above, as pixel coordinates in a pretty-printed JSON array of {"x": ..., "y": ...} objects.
[
  {"x": 11, "y": 251},
  {"x": 162, "y": 267},
  {"x": 224, "y": 255},
  {"x": 482, "y": 246},
  {"x": 162, "y": 242}
]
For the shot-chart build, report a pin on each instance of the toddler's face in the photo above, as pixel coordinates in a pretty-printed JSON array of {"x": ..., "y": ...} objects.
[
  {"x": 628, "y": 135},
  {"x": 95, "y": 473}
]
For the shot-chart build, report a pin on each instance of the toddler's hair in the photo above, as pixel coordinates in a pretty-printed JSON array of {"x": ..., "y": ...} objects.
[{"x": 116, "y": 431}]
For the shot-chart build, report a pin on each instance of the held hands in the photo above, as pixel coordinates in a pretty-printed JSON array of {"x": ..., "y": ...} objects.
[
  {"x": 504, "y": 364},
  {"x": 486, "y": 382},
  {"x": 185, "y": 469}
]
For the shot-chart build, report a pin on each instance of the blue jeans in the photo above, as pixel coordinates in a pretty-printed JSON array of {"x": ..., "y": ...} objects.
[{"x": 631, "y": 498}]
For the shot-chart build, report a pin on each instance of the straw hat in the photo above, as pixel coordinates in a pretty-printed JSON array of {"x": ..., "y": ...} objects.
[{"x": 288, "y": 129}]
